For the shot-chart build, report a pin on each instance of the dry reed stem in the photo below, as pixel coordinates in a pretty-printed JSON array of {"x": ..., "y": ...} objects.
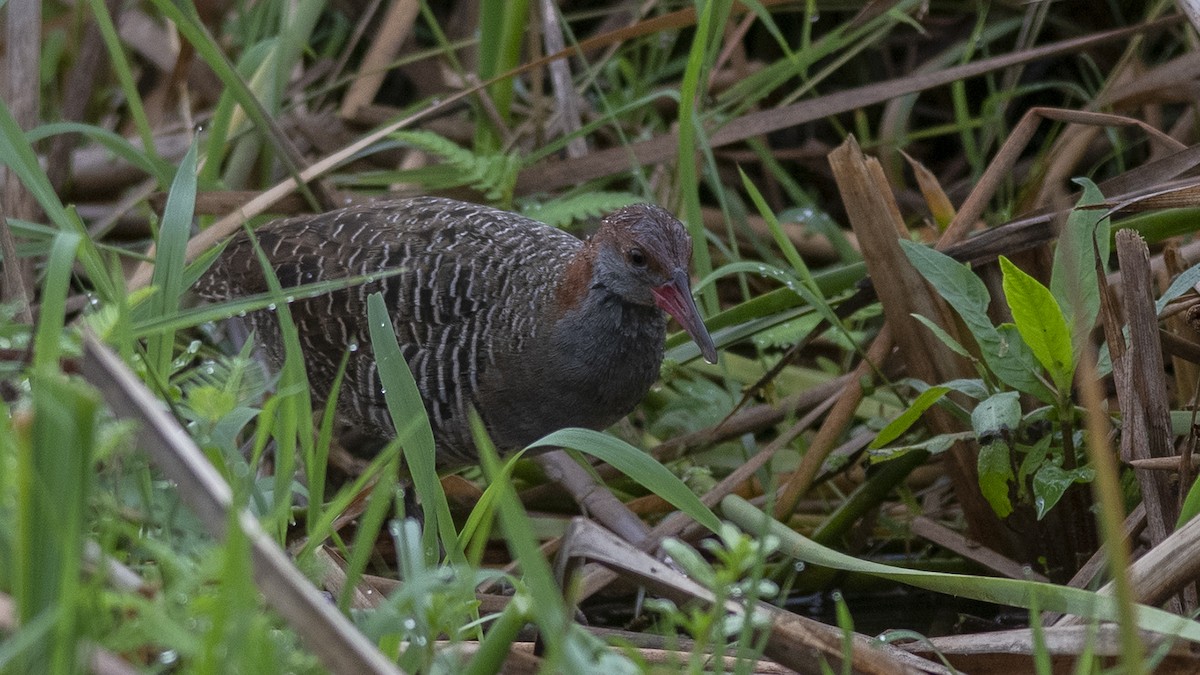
[
  {"x": 396, "y": 27},
  {"x": 553, "y": 175},
  {"x": 794, "y": 641},
  {"x": 1142, "y": 387}
]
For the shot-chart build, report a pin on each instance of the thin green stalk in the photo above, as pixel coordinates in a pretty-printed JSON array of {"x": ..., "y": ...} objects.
[
  {"x": 133, "y": 98},
  {"x": 1106, "y": 490},
  {"x": 712, "y": 13}
]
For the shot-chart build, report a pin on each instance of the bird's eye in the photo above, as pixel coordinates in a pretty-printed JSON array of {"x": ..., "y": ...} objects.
[{"x": 637, "y": 257}]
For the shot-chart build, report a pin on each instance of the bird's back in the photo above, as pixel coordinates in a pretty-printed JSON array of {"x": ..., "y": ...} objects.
[{"x": 472, "y": 288}]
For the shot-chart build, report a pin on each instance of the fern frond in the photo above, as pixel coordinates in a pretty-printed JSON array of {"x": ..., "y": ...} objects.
[
  {"x": 495, "y": 175},
  {"x": 563, "y": 211}
]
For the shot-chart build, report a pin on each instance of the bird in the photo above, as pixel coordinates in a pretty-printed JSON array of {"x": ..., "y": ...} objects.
[{"x": 530, "y": 326}]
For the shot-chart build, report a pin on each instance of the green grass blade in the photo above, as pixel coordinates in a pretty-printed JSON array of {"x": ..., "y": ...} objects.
[
  {"x": 114, "y": 143},
  {"x": 52, "y": 315},
  {"x": 133, "y": 98},
  {"x": 711, "y": 15},
  {"x": 169, "y": 262},
  {"x": 637, "y": 465},
  {"x": 1013, "y": 592},
  {"x": 17, "y": 154},
  {"x": 416, "y": 436}
]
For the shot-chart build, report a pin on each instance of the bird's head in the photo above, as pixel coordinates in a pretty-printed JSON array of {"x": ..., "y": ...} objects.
[{"x": 642, "y": 254}]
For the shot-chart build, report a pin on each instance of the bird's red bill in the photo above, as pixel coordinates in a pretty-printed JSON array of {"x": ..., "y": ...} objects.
[{"x": 675, "y": 298}]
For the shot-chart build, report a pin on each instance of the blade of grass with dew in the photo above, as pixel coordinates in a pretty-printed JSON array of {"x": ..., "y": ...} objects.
[
  {"x": 476, "y": 531},
  {"x": 18, "y": 155},
  {"x": 315, "y": 465},
  {"x": 154, "y": 166},
  {"x": 52, "y": 316},
  {"x": 711, "y": 14},
  {"x": 1012, "y": 592},
  {"x": 146, "y": 324},
  {"x": 369, "y": 526},
  {"x": 778, "y": 300},
  {"x": 803, "y": 275},
  {"x": 293, "y": 424},
  {"x": 404, "y": 403},
  {"x": 192, "y": 29},
  {"x": 323, "y": 528},
  {"x": 637, "y": 465},
  {"x": 120, "y": 65},
  {"x": 551, "y": 615},
  {"x": 173, "y": 236}
]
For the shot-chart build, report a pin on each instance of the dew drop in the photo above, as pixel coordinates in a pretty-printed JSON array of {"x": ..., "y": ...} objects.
[
  {"x": 353, "y": 346},
  {"x": 271, "y": 307},
  {"x": 409, "y": 624},
  {"x": 242, "y": 313},
  {"x": 168, "y": 657},
  {"x": 799, "y": 566}
]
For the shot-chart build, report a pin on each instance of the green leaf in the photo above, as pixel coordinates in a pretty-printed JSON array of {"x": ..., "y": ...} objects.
[
  {"x": 967, "y": 294},
  {"x": 54, "y": 300},
  {"x": 639, "y": 466},
  {"x": 1073, "y": 276},
  {"x": 955, "y": 282},
  {"x": 1191, "y": 504},
  {"x": 936, "y": 445},
  {"x": 995, "y": 473},
  {"x": 1040, "y": 322},
  {"x": 1035, "y": 457},
  {"x": 169, "y": 260},
  {"x": 1182, "y": 284},
  {"x": 947, "y": 339},
  {"x": 997, "y": 414},
  {"x": 1051, "y": 481},
  {"x": 906, "y": 419},
  {"x": 1012, "y": 592}
]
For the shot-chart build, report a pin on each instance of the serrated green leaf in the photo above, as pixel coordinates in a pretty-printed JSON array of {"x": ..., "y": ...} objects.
[
  {"x": 906, "y": 419},
  {"x": 1040, "y": 322},
  {"x": 995, "y": 473}
]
